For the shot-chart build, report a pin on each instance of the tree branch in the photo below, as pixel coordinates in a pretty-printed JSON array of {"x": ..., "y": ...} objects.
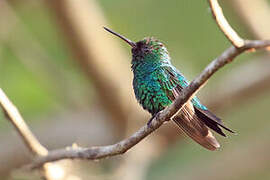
[
  {"x": 30, "y": 141},
  {"x": 21, "y": 127},
  {"x": 223, "y": 24},
  {"x": 121, "y": 147}
]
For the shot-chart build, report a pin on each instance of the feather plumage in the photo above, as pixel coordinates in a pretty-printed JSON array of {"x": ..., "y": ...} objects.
[{"x": 157, "y": 83}]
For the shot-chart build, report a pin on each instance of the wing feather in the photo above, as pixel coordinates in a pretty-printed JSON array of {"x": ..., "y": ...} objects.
[
  {"x": 210, "y": 120},
  {"x": 186, "y": 119}
]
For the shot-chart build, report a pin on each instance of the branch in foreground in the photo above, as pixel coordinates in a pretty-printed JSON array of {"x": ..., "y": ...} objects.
[
  {"x": 121, "y": 147},
  {"x": 224, "y": 26},
  {"x": 13, "y": 115},
  {"x": 19, "y": 124}
]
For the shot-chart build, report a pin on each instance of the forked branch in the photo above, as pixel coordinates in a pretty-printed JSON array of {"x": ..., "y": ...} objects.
[
  {"x": 239, "y": 46},
  {"x": 21, "y": 127},
  {"x": 121, "y": 147},
  {"x": 224, "y": 26}
]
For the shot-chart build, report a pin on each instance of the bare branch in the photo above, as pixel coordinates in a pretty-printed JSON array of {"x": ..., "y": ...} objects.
[
  {"x": 121, "y": 147},
  {"x": 252, "y": 78},
  {"x": 224, "y": 26},
  {"x": 16, "y": 119},
  {"x": 27, "y": 136}
]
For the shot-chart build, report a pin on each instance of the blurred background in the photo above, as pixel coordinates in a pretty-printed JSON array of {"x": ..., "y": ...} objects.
[{"x": 71, "y": 81}]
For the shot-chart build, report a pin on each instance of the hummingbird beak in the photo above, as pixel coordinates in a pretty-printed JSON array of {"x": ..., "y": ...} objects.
[{"x": 131, "y": 43}]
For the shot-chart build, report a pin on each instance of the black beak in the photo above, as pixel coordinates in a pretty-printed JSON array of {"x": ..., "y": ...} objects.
[{"x": 131, "y": 43}]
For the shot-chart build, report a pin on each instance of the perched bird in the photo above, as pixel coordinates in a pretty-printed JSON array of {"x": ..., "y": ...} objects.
[{"x": 157, "y": 83}]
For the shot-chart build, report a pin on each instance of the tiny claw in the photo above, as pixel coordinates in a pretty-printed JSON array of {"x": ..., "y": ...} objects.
[{"x": 151, "y": 119}]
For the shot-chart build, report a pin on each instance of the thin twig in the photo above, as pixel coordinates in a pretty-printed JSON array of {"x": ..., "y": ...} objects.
[
  {"x": 31, "y": 142},
  {"x": 223, "y": 24},
  {"x": 121, "y": 147},
  {"x": 21, "y": 127}
]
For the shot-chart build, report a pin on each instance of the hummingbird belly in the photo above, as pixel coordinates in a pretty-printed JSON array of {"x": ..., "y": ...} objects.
[{"x": 150, "y": 94}]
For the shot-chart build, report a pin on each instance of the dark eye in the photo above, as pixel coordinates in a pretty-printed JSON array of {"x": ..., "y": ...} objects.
[{"x": 146, "y": 50}]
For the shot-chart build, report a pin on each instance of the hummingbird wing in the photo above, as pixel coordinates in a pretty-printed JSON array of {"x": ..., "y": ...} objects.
[
  {"x": 186, "y": 118},
  {"x": 211, "y": 120},
  {"x": 195, "y": 128}
]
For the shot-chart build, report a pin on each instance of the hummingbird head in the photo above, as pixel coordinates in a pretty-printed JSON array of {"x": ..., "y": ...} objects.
[
  {"x": 150, "y": 49},
  {"x": 147, "y": 50}
]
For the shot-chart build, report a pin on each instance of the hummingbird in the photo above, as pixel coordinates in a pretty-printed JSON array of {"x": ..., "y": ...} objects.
[{"x": 157, "y": 83}]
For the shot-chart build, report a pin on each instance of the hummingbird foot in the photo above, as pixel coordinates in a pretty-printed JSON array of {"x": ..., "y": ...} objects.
[{"x": 151, "y": 119}]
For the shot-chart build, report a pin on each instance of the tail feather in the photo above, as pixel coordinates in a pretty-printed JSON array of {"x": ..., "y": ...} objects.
[
  {"x": 212, "y": 121},
  {"x": 195, "y": 128}
]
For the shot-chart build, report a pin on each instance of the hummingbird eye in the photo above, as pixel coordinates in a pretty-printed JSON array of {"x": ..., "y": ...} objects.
[{"x": 147, "y": 50}]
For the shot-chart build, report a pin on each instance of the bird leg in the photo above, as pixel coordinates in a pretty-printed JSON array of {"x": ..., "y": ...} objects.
[{"x": 151, "y": 119}]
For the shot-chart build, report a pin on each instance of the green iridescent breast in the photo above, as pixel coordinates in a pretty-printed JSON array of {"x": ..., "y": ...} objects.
[
  {"x": 156, "y": 81},
  {"x": 148, "y": 89}
]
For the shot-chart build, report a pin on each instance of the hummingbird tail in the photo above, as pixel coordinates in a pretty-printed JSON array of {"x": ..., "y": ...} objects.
[
  {"x": 195, "y": 128},
  {"x": 212, "y": 121}
]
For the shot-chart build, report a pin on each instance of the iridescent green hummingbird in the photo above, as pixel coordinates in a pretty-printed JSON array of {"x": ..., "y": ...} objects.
[{"x": 157, "y": 83}]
